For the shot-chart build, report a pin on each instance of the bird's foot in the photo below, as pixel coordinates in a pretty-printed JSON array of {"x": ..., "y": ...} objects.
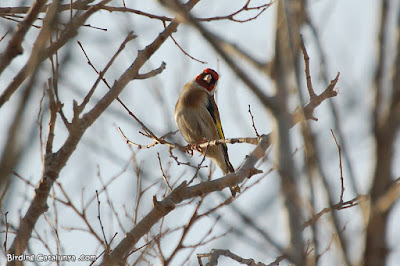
[
  {"x": 189, "y": 150},
  {"x": 197, "y": 147}
]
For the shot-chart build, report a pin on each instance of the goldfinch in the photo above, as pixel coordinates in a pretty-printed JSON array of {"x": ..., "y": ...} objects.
[{"x": 197, "y": 117}]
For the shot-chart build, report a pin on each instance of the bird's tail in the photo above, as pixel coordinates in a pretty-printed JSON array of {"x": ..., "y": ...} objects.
[
  {"x": 235, "y": 189},
  {"x": 222, "y": 160}
]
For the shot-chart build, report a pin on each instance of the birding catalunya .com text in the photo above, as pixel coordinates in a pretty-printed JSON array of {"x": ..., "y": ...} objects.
[{"x": 50, "y": 258}]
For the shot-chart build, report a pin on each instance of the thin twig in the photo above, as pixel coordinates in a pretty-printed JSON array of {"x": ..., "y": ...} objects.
[
  {"x": 183, "y": 51},
  {"x": 261, "y": 9},
  {"x": 339, "y": 206},
  {"x": 157, "y": 237},
  {"x": 307, "y": 68},
  {"x": 199, "y": 166},
  {"x": 99, "y": 218},
  {"x": 340, "y": 166},
  {"x": 162, "y": 172},
  {"x": 190, "y": 152},
  {"x": 101, "y": 74},
  {"x": 252, "y": 121},
  {"x": 6, "y": 237}
]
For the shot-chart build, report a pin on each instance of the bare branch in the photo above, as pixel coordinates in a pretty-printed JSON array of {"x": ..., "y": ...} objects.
[
  {"x": 101, "y": 74},
  {"x": 162, "y": 172},
  {"x": 339, "y": 206},
  {"x": 214, "y": 255},
  {"x": 245, "y": 8},
  {"x": 386, "y": 201},
  {"x": 181, "y": 193},
  {"x": 252, "y": 121},
  {"x": 69, "y": 32},
  {"x": 340, "y": 167},
  {"x": 56, "y": 161},
  {"x": 52, "y": 121},
  {"x": 6, "y": 236},
  {"x": 106, "y": 245},
  {"x": 307, "y": 68},
  {"x": 152, "y": 73},
  {"x": 315, "y": 101},
  {"x": 12, "y": 151},
  {"x": 14, "y": 47}
]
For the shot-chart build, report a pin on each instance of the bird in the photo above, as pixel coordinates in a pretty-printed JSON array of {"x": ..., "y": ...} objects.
[{"x": 198, "y": 120}]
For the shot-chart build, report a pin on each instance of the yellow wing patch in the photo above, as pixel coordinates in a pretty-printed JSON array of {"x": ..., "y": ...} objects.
[{"x": 219, "y": 129}]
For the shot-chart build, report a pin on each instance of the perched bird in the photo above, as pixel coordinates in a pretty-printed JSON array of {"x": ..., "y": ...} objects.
[{"x": 197, "y": 117}]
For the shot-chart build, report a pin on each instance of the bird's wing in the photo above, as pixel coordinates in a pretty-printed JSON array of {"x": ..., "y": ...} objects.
[{"x": 213, "y": 110}]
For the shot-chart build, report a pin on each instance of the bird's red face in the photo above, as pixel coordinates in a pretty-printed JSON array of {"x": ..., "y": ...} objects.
[{"x": 208, "y": 79}]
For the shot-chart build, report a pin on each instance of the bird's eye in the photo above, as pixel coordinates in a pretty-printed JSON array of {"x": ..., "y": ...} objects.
[{"x": 207, "y": 78}]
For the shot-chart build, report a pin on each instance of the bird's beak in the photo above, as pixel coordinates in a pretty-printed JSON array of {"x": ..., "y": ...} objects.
[{"x": 208, "y": 78}]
